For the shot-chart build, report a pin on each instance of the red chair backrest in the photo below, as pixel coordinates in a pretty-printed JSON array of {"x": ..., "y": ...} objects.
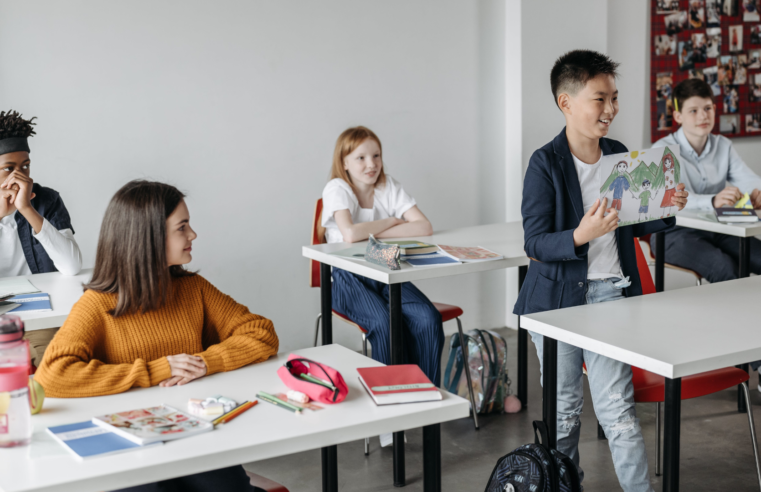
[
  {"x": 318, "y": 237},
  {"x": 646, "y": 238},
  {"x": 648, "y": 287}
]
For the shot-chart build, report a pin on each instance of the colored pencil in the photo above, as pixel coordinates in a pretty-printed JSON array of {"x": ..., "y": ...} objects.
[
  {"x": 235, "y": 412},
  {"x": 278, "y": 402}
]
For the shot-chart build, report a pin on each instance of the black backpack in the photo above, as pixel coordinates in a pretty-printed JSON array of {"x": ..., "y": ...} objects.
[{"x": 535, "y": 468}]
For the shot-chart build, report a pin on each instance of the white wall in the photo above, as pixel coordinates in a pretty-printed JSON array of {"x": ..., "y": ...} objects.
[{"x": 239, "y": 103}]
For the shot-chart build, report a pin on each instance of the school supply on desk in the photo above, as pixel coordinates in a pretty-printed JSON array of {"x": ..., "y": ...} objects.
[
  {"x": 304, "y": 405},
  {"x": 535, "y": 467},
  {"x": 87, "y": 440},
  {"x": 31, "y": 303},
  {"x": 353, "y": 253},
  {"x": 318, "y": 381},
  {"x": 211, "y": 407},
  {"x": 234, "y": 412},
  {"x": 431, "y": 260},
  {"x": 278, "y": 402},
  {"x": 6, "y": 306},
  {"x": 745, "y": 202},
  {"x": 467, "y": 254},
  {"x": 16, "y": 286},
  {"x": 385, "y": 255},
  {"x": 147, "y": 425},
  {"x": 411, "y": 248},
  {"x": 733, "y": 215},
  {"x": 404, "y": 383}
]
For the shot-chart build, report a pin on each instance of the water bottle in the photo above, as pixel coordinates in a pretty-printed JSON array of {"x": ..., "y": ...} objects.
[{"x": 15, "y": 415}]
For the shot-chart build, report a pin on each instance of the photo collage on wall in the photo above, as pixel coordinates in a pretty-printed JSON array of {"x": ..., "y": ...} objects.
[{"x": 718, "y": 41}]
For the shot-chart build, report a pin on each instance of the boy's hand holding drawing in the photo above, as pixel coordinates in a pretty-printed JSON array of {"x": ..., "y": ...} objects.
[{"x": 595, "y": 223}]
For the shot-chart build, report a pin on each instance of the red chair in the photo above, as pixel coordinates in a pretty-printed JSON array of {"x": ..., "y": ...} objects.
[
  {"x": 448, "y": 312},
  {"x": 649, "y": 387},
  {"x": 698, "y": 277},
  {"x": 265, "y": 483}
]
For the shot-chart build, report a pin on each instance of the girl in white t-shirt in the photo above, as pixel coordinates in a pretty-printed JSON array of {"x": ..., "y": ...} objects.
[{"x": 359, "y": 200}]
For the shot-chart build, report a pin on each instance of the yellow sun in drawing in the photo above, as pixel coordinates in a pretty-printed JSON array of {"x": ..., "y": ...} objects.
[{"x": 635, "y": 153}]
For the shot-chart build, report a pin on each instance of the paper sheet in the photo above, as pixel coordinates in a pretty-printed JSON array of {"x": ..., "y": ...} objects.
[{"x": 16, "y": 286}]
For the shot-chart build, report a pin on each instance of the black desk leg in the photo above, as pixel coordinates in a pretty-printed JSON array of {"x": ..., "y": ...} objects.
[
  {"x": 326, "y": 304},
  {"x": 397, "y": 357},
  {"x": 432, "y": 458},
  {"x": 744, "y": 271},
  {"x": 329, "y": 454},
  {"x": 550, "y": 389},
  {"x": 672, "y": 421},
  {"x": 522, "y": 348},
  {"x": 660, "y": 260}
]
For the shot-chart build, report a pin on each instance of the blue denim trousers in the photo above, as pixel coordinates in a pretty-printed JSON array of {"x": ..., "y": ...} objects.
[{"x": 610, "y": 383}]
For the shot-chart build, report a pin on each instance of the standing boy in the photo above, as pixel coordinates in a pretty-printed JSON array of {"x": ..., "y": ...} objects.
[
  {"x": 708, "y": 163},
  {"x": 35, "y": 229},
  {"x": 581, "y": 256}
]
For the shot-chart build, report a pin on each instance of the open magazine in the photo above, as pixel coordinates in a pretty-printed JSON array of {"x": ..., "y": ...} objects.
[{"x": 147, "y": 425}]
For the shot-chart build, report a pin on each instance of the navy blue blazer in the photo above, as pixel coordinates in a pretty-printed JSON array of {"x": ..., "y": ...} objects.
[{"x": 552, "y": 209}]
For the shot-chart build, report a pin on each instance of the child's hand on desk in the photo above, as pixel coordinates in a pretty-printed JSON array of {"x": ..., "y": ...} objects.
[
  {"x": 680, "y": 197},
  {"x": 727, "y": 197},
  {"x": 185, "y": 368},
  {"x": 594, "y": 224}
]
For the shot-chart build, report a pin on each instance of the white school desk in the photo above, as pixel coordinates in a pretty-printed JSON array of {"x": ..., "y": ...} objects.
[
  {"x": 64, "y": 292},
  {"x": 646, "y": 334},
  {"x": 263, "y": 432},
  {"x": 744, "y": 232},
  {"x": 505, "y": 239}
]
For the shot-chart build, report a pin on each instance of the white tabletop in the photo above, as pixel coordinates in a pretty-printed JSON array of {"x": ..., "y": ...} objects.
[
  {"x": 687, "y": 218},
  {"x": 263, "y": 432},
  {"x": 505, "y": 239},
  {"x": 675, "y": 333},
  {"x": 64, "y": 292}
]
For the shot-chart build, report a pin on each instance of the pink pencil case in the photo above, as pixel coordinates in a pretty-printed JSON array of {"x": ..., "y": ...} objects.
[{"x": 331, "y": 388}]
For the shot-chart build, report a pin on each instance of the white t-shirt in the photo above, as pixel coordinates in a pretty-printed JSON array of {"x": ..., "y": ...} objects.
[
  {"x": 59, "y": 245},
  {"x": 603, "y": 251},
  {"x": 390, "y": 200}
]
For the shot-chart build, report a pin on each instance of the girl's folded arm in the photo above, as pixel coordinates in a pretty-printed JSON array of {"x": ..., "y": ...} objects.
[{"x": 353, "y": 233}]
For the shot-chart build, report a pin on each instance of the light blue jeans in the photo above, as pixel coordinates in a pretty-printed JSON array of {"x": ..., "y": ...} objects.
[{"x": 610, "y": 383}]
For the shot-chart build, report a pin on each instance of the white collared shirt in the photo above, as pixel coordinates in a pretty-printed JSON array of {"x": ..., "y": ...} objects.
[
  {"x": 59, "y": 245},
  {"x": 707, "y": 174}
]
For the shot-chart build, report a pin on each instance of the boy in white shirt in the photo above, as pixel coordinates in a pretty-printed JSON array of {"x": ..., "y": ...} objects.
[{"x": 36, "y": 235}]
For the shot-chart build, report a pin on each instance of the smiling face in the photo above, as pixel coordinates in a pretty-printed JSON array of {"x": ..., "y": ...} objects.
[
  {"x": 697, "y": 116},
  {"x": 621, "y": 167},
  {"x": 646, "y": 185},
  {"x": 591, "y": 111},
  {"x": 179, "y": 236},
  {"x": 668, "y": 163},
  {"x": 364, "y": 164}
]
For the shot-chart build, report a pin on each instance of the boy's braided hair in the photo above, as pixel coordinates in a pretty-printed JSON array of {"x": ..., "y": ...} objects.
[{"x": 12, "y": 124}]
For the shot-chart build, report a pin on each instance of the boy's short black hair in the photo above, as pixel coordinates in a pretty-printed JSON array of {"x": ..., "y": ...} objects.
[
  {"x": 13, "y": 125},
  {"x": 574, "y": 69},
  {"x": 691, "y": 88},
  {"x": 645, "y": 182}
]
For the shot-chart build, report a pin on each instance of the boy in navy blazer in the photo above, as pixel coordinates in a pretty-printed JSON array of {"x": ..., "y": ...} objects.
[{"x": 580, "y": 256}]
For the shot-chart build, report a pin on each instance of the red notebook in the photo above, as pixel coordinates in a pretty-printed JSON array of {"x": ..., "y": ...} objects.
[{"x": 404, "y": 383}]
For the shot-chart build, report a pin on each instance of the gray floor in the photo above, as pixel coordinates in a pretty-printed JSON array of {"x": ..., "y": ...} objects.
[{"x": 716, "y": 452}]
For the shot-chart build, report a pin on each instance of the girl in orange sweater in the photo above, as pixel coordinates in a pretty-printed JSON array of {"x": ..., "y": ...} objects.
[{"x": 144, "y": 320}]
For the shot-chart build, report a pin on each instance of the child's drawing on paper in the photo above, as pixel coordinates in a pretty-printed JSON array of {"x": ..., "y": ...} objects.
[{"x": 633, "y": 181}]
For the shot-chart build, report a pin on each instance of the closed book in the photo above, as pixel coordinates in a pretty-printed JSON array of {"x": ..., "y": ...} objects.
[
  {"x": 147, "y": 425},
  {"x": 6, "y": 306},
  {"x": 414, "y": 247},
  {"x": 403, "y": 383},
  {"x": 87, "y": 440},
  {"x": 470, "y": 254},
  {"x": 733, "y": 215},
  {"x": 31, "y": 303},
  {"x": 430, "y": 260}
]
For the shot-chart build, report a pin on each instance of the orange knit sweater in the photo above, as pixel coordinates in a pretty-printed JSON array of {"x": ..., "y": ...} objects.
[{"x": 96, "y": 354}]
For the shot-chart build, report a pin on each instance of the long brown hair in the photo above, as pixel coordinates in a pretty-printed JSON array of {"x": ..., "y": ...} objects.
[
  {"x": 131, "y": 257},
  {"x": 347, "y": 142}
]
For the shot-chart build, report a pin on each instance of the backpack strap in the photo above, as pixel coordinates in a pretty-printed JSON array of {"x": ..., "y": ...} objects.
[
  {"x": 461, "y": 361},
  {"x": 541, "y": 436}
]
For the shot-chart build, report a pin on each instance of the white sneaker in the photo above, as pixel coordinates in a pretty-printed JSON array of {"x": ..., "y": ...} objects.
[{"x": 388, "y": 439}]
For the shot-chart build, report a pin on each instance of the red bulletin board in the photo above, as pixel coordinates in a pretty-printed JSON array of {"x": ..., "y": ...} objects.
[{"x": 683, "y": 45}]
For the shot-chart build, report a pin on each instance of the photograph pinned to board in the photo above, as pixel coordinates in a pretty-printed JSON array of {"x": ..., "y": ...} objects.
[
  {"x": 676, "y": 22},
  {"x": 686, "y": 55},
  {"x": 754, "y": 91},
  {"x": 735, "y": 38},
  {"x": 750, "y": 11},
  {"x": 729, "y": 124},
  {"x": 753, "y": 123},
  {"x": 731, "y": 98},
  {"x": 729, "y": 8},
  {"x": 665, "y": 44},
  {"x": 699, "y": 47},
  {"x": 664, "y": 83},
  {"x": 664, "y": 114},
  {"x": 713, "y": 42},
  {"x": 713, "y": 13},
  {"x": 697, "y": 14},
  {"x": 755, "y": 34},
  {"x": 710, "y": 75},
  {"x": 667, "y": 6},
  {"x": 696, "y": 73},
  {"x": 640, "y": 184}
]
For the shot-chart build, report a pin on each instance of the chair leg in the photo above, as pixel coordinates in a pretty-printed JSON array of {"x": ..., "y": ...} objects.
[
  {"x": 752, "y": 430},
  {"x": 463, "y": 350},
  {"x": 364, "y": 352},
  {"x": 657, "y": 439},
  {"x": 317, "y": 328}
]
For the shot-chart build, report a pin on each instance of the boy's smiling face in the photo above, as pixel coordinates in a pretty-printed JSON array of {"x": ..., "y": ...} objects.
[
  {"x": 621, "y": 166},
  {"x": 697, "y": 116},
  {"x": 591, "y": 111}
]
